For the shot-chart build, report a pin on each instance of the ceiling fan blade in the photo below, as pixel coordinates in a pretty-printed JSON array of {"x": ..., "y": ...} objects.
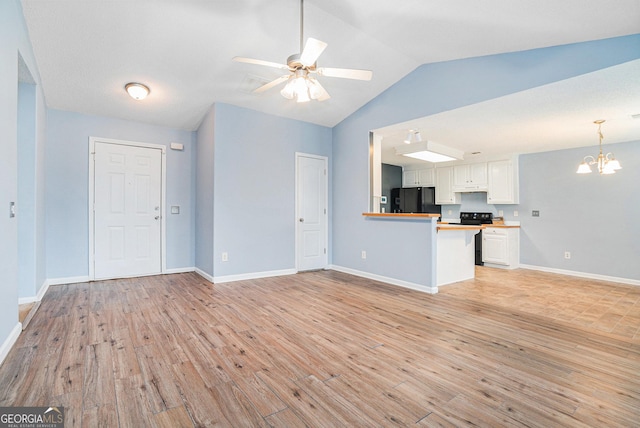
[
  {"x": 271, "y": 84},
  {"x": 260, "y": 62},
  {"x": 346, "y": 73},
  {"x": 312, "y": 50},
  {"x": 317, "y": 91}
]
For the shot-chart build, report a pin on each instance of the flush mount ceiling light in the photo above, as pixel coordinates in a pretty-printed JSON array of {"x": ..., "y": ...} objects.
[
  {"x": 413, "y": 135},
  {"x": 607, "y": 164},
  {"x": 137, "y": 91},
  {"x": 430, "y": 152}
]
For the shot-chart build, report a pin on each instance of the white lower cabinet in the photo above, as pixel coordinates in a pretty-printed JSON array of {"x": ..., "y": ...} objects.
[{"x": 501, "y": 247}]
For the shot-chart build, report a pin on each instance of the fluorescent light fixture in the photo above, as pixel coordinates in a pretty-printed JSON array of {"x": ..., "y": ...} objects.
[
  {"x": 137, "y": 91},
  {"x": 430, "y": 152}
]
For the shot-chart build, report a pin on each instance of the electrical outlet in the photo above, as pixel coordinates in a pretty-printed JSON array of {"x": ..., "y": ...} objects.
[
  {"x": 535, "y": 213},
  {"x": 500, "y": 213},
  {"x": 515, "y": 213},
  {"x": 449, "y": 212},
  {"x": 567, "y": 255},
  {"x": 364, "y": 254},
  {"x": 225, "y": 257}
]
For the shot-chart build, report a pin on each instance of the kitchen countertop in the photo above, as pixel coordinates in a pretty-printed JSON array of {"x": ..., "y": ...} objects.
[
  {"x": 446, "y": 226},
  {"x": 401, "y": 215},
  {"x": 514, "y": 225}
]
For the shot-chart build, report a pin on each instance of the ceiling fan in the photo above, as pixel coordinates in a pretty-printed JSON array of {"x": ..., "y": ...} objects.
[{"x": 301, "y": 82}]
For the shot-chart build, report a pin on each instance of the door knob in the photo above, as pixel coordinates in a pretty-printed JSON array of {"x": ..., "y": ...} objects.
[
  {"x": 301, "y": 220},
  {"x": 157, "y": 217}
]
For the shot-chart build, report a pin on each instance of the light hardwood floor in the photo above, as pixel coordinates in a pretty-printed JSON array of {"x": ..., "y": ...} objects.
[{"x": 326, "y": 349}]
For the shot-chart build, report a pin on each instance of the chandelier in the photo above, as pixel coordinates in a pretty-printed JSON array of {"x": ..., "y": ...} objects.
[{"x": 607, "y": 164}]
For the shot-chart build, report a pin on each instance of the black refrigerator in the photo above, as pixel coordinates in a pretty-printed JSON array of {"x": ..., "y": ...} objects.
[{"x": 414, "y": 200}]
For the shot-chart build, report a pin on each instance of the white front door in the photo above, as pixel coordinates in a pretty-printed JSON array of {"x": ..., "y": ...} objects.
[
  {"x": 127, "y": 211},
  {"x": 311, "y": 212}
]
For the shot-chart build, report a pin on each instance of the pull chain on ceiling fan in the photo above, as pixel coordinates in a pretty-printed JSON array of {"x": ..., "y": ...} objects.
[{"x": 301, "y": 84}]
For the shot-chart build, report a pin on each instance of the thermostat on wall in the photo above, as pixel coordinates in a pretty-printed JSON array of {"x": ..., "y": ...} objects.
[{"x": 177, "y": 146}]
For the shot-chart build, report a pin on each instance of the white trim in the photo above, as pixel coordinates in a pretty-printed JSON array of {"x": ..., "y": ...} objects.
[
  {"x": 179, "y": 270},
  {"x": 37, "y": 297},
  {"x": 253, "y": 275},
  {"x": 163, "y": 205},
  {"x": 68, "y": 280},
  {"x": 582, "y": 274},
  {"x": 325, "y": 159},
  {"x": 10, "y": 341},
  {"x": 204, "y": 274},
  {"x": 388, "y": 280}
]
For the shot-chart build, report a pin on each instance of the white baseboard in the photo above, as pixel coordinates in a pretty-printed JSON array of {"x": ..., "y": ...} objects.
[
  {"x": 10, "y": 341},
  {"x": 253, "y": 275},
  {"x": 203, "y": 274},
  {"x": 582, "y": 274},
  {"x": 179, "y": 270},
  {"x": 43, "y": 289},
  {"x": 69, "y": 280},
  {"x": 388, "y": 280}
]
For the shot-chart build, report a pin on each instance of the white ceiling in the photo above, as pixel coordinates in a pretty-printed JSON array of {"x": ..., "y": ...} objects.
[
  {"x": 556, "y": 116},
  {"x": 87, "y": 50}
]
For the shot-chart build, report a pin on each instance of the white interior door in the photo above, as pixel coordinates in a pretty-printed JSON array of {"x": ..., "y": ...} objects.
[
  {"x": 127, "y": 211},
  {"x": 311, "y": 212}
]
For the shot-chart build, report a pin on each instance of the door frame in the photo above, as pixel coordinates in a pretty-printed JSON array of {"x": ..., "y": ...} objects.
[
  {"x": 325, "y": 159},
  {"x": 163, "y": 185}
]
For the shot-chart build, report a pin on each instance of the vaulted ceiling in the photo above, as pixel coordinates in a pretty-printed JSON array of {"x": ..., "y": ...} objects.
[{"x": 87, "y": 50}]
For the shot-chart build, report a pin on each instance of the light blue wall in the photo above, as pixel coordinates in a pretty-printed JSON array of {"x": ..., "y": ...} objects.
[
  {"x": 430, "y": 89},
  {"x": 254, "y": 187},
  {"x": 594, "y": 217},
  {"x": 67, "y": 179},
  {"x": 27, "y": 190},
  {"x": 204, "y": 193},
  {"x": 15, "y": 41}
]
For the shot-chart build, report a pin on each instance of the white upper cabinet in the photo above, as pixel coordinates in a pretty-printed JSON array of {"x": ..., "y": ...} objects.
[
  {"x": 444, "y": 187},
  {"x": 418, "y": 178},
  {"x": 470, "y": 177},
  {"x": 427, "y": 177},
  {"x": 410, "y": 178},
  {"x": 503, "y": 184}
]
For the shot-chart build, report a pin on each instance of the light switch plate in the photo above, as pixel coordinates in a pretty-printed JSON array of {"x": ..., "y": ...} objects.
[{"x": 175, "y": 209}]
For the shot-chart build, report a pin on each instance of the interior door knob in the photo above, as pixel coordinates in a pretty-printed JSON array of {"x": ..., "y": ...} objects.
[
  {"x": 301, "y": 220},
  {"x": 157, "y": 217}
]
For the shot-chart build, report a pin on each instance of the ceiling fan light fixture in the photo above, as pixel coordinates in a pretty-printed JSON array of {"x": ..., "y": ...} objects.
[{"x": 137, "y": 91}]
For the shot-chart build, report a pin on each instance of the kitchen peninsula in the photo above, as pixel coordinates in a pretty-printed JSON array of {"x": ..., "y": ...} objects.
[{"x": 454, "y": 257}]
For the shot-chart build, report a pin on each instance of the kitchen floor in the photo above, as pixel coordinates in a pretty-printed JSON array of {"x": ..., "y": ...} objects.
[{"x": 600, "y": 305}]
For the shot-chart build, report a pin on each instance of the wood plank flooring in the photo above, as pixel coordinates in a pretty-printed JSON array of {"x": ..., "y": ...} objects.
[{"x": 326, "y": 349}]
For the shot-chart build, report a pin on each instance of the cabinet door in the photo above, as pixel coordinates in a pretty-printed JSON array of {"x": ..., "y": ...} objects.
[
  {"x": 444, "y": 187},
  {"x": 410, "y": 179},
  {"x": 478, "y": 174},
  {"x": 461, "y": 176},
  {"x": 426, "y": 177},
  {"x": 470, "y": 177},
  {"x": 495, "y": 248},
  {"x": 501, "y": 186}
]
